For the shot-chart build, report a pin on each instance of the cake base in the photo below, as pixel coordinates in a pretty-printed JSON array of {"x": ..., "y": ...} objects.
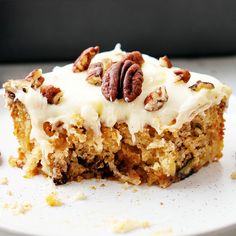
[{"x": 153, "y": 159}]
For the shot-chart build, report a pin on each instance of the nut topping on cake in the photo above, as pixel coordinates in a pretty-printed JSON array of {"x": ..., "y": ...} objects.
[
  {"x": 35, "y": 78},
  {"x": 83, "y": 61},
  {"x": 165, "y": 62},
  {"x": 135, "y": 56},
  {"x": 156, "y": 99},
  {"x": 183, "y": 75},
  {"x": 95, "y": 72},
  {"x": 201, "y": 85},
  {"x": 47, "y": 127},
  {"x": 90, "y": 136},
  {"x": 123, "y": 80},
  {"x": 106, "y": 63},
  {"x": 52, "y": 94}
]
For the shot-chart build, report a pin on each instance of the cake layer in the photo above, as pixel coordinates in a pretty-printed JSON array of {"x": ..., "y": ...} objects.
[{"x": 159, "y": 159}]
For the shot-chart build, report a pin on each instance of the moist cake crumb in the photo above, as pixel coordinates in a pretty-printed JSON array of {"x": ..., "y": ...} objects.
[
  {"x": 12, "y": 161},
  {"x": 125, "y": 186},
  {"x": 127, "y": 225},
  {"x": 80, "y": 196},
  {"x": 9, "y": 193},
  {"x": 18, "y": 208},
  {"x": 163, "y": 232},
  {"x": 233, "y": 175},
  {"x": 4, "y": 181},
  {"x": 134, "y": 190},
  {"x": 53, "y": 200}
]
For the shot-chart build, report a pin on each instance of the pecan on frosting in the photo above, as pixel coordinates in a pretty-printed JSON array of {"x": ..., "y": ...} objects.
[
  {"x": 182, "y": 75},
  {"x": 165, "y": 62},
  {"x": 134, "y": 56},
  {"x": 201, "y": 85},
  {"x": 52, "y": 94},
  {"x": 156, "y": 99},
  {"x": 35, "y": 78},
  {"x": 83, "y": 61},
  {"x": 95, "y": 73},
  {"x": 122, "y": 80}
]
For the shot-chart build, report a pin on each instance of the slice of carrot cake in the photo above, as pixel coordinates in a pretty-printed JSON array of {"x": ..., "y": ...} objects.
[{"x": 120, "y": 115}]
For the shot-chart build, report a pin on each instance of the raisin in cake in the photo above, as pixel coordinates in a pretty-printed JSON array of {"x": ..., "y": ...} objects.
[{"x": 119, "y": 115}]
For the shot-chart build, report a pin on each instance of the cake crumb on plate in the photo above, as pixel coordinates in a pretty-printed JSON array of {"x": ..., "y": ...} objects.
[
  {"x": 80, "y": 196},
  {"x": 4, "y": 181},
  {"x": 18, "y": 208},
  {"x": 233, "y": 175},
  {"x": 93, "y": 187},
  {"x": 127, "y": 225},
  {"x": 125, "y": 186},
  {"x": 9, "y": 193},
  {"x": 134, "y": 190},
  {"x": 53, "y": 200},
  {"x": 163, "y": 232},
  {"x": 12, "y": 161}
]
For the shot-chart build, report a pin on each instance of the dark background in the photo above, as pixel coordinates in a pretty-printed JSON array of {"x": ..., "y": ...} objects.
[{"x": 47, "y": 30}]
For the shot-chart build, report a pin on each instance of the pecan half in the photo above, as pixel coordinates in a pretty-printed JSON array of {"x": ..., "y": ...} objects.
[
  {"x": 83, "y": 61},
  {"x": 95, "y": 73},
  {"x": 183, "y": 75},
  {"x": 201, "y": 85},
  {"x": 134, "y": 56},
  {"x": 156, "y": 99},
  {"x": 47, "y": 127},
  {"x": 35, "y": 78},
  {"x": 133, "y": 80},
  {"x": 123, "y": 80},
  {"x": 165, "y": 62},
  {"x": 52, "y": 94}
]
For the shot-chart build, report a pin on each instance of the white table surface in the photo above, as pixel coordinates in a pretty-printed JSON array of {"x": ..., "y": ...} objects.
[{"x": 223, "y": 68}]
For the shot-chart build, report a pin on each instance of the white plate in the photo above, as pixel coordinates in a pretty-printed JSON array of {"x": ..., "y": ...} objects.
[{"x": 204, "y": 202}]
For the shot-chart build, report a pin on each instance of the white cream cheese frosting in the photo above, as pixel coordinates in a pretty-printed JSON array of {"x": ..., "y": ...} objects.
[{"x": 85, "y": 99}]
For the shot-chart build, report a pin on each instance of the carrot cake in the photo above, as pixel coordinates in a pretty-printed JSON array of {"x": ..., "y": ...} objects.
[{"x": 118, "y": 115}]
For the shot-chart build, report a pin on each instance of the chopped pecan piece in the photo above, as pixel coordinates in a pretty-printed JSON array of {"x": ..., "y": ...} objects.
[
  {"x": 165, "y": 62},
  {"x": 183, "y": 75},
  {"x": 83, "y": 61},
  {"x": 201, "y": 85},
  {"x": 95, "y": 73},
  {"x": 35, "y": 78},
  {"x": 52, "y": 94},
  {"x": 123, "y": 80},
  {"x": 134, "y": 56},
  {"x": 12, "y": 86},
  {"x": 106, "y": 63},
  {"x": 47, "y": 127},
  {"x": 10, "y": 95},
  {"x": 156, "y": 99}
]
